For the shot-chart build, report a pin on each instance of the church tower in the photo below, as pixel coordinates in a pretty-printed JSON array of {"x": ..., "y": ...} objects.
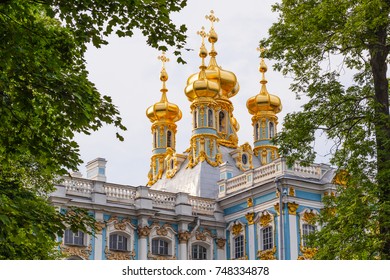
[
  {"x": 264, "y": 107},
  {"x": 163, "y": 116},
  {"x": 209, "y": 91}
]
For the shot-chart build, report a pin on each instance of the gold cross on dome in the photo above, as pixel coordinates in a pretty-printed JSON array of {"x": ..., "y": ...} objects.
[
  {"x": 202, "y": 34},
  {"x": 163, "y": 58},
  {"x": 262, "y": 51},
  {"x": 211, "y": 17}
]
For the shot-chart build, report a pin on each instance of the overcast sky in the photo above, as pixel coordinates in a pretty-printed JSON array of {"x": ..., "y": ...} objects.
[{"x": 128, "y": 71}]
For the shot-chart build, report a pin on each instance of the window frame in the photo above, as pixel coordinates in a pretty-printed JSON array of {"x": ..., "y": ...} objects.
[
  {"x": 69, "y": 234},
  {"x": 202, "y": 252},
  {"x": 239, "y": 248},
  {"x": 162, "y": 247},
  {"x": 267, "y": 238},
  {"x": 124, "y": 242}
]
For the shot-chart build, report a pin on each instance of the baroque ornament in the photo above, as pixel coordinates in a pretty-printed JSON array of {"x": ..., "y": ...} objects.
[
  {"x": 265, "y": 220},
  {"x": 184, "y": 236},
  {"x": 82, "y": 252},
  {"x": 116, "y": 255},
  {"x": 292, "y": 208},
  {"x": 307, "y": 253},
  {"x": 143, "y": 232},
  {"x": 267, "y": 254},
  {"x": 237, "y": 229},
  {"x": 221, "y": 243},
  {"x": 250, "y": 217},
  {"x": 309, "y": 217}
]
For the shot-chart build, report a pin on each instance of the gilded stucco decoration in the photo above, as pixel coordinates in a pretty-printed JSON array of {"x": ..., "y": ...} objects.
[
  {"x": 246, "y": 150},
  {"x": 250, "y": 217},
  {"x": 202, "y": 235},
  {"x": 267, "y": 254},
  {"x": 307, "y": 253},
  {"x": 265, "y": 219},
  {"x": 249, "y": 202},
  {"x": 83, "y": 252},
  {"x": 143, "y": 232},
  {"x": 99, "y": 226},
  {"x": 119, "y": 255},
  {"x": 221, "y": 242},
  {"x": 309, "y": 217},
  {"x": 237, "y": 229},
  {"x": 119, "y": 224},
  {"x": 184, "y": 236},
  {"x": 292, "y": 208},
  {"x": 276, "y": 207},
  {"x": 158, "y": 257}
]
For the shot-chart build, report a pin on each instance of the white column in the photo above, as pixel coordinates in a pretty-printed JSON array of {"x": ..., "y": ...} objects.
[
  {"x": 142, "y": 248},
  {"x": 250, "y": 217},
  {"x": 143, "y": 233},
  {"x": 99, "y": 237},
  {"x": 251, "y": 240},
  {"x": 183, "y": 236},
  {"x": 293, "y": 237},
  {"x": 221, "y": 249}
]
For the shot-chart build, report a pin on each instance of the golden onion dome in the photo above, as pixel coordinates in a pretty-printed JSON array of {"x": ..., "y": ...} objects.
[
  {"x": 263, "y": 101},
  {"x": 198, "y": 86},
  {"x": 164, "y": 110},
  {"x": 227, "y": 80}
]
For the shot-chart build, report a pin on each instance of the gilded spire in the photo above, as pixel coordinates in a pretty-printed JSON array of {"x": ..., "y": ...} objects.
[
  {"x": 203, "y": 50},
  {"x": 263, "y": 68},
  {"x": 163, "y": 73},
  {"x": 264, "y": 101},
  {"x": 213, "y": 36},
  {"x": 163, "y": 110}
]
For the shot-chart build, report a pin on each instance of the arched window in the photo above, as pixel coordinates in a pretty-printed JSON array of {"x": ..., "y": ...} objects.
[
  {"x": 159, "y": 247},
  {"x": 271, "y": 130},
  {"x": 238, "y": 246},
  {"x": 74, "y": 238},
  {"x": 195, "y": 119},
  {"x": 155, "y": 139},
  {"x": 118, "y": 242},
  {"x": 221, "y": 121},
  {"x": 267, "y": 238},
  {"x": 210, "y": 118},
  {"x": 257, "y": 131},
  {"x": 199, "y": 252},
  {"x": 169, "y": 138}
]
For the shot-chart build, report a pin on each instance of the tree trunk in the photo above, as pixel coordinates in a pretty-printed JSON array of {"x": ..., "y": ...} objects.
[{"x": 379, "y": 53}]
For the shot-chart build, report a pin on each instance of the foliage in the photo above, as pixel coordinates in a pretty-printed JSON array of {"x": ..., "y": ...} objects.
[
  {"x": 46, "y": 97},
  {"x": 337, "y": 53}
]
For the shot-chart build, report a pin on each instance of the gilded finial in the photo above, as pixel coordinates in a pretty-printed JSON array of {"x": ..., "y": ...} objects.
[
  {"x": 213, "y": 36},
  {"x": 211, "y": 17},
  {"x": 203, "y": 51},
  {"x": 163, "y": 59},
  {"x": 163, "y": 73},
  {"x": 263, "y": 67}
]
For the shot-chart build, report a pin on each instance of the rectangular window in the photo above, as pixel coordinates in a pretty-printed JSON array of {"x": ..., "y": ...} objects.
[
  {"x": 118, "y": 242},
  {"x": 159, "y": 247},
  {"x": 74, "y": 238},
  {"x": 307, "y": 230},
  {"x": 267, "y": 237},
  {"x": 239, "y": 247}
]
